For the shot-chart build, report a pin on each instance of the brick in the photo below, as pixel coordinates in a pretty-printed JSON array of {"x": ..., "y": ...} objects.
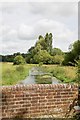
[{"x": 33, "y": 100}]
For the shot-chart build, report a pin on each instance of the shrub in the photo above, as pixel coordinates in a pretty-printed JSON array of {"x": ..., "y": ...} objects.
[
  {"x": 19, "y": 60},
  {"x": 41, "y": 63},
  {"x": 58, "y": 59}
]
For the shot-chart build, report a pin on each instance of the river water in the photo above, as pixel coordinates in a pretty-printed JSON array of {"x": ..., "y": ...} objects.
[{"x": 31, "y": 78}]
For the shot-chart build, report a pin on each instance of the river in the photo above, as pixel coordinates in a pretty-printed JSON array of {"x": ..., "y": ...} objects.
[{"x": 31, "y": 78}]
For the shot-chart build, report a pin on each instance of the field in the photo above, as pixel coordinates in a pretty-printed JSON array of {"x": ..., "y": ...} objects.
[
  {"x": 66, "y": 74},
  {"x": 12, "y": 74}
]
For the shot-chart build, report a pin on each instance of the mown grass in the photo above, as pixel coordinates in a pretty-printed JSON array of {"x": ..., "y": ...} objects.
[
  {"x": 12, "y": 74},
  {"x": 66, "y": 74}
]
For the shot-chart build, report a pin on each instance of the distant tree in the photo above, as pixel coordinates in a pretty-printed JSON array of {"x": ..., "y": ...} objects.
[
  {"x": 40, "y": 37},
  {"x": 58, "y": 59},
  {"x": 76, "y": 49},
  {"x": 48, "y": 40},
  {"x": 24, "y": 55},
  {"x": 28, "y": 57},
  {"x": 56, "y": 51},
  {"x": 42, "y": 56},
  {"x": 7, "y": 58},
  {"x": 15, "y": 54},
  {"x": 0, "y": 58},
  {"x": 19, "y": 60},
  {"x": 68, "y": 59},
  {"x": 73, "y": 54},
  {"x": 43, "y": 44}
]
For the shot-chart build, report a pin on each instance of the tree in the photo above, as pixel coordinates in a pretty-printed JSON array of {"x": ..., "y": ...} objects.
[
  {"x": 48, "y": 40},
  {"x": 42, "y": 56},
  {"x": 58, "y": 59},
  {"x": 68, "y": 59},
  {"x": 73, "y": 55},
  {"x": 19, "y": 60},
  {"x": 56, "y": 51},
  {"x": 43, "y": 44},
  {"x": 76, "y": 49}
]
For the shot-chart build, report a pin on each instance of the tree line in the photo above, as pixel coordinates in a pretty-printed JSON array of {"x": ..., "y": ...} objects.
[{"x": 43, "y": 52}]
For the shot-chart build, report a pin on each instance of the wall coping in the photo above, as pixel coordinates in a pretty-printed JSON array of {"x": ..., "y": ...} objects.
[{"x": 39, "y": 86}]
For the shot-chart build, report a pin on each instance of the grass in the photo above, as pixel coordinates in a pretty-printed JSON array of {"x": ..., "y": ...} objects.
[
  {"x": 43, "y": 79},
  {"x": 12, "y": 74},
  {"x": 66, "y": 74}
]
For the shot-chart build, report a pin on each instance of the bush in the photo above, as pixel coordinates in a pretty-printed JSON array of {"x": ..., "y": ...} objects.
[
  {"x": 41, "y": 63},
  {"x": 58, "y": 59},
  {"x": 19, "y": 60}
]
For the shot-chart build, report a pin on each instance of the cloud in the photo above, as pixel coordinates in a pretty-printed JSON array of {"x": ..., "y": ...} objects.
[
  {"x": 25, "y": 32},
  {"x": 10, "y": 47},
  {"x": 9, "y": 35},
  {"x": 61, "y": 34},
  {"x": 22, "y": 23},
  {"x": 58, "y": 9}
]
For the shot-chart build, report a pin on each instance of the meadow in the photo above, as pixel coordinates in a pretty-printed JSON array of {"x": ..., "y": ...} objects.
[
  {"x": 13, "y": 74},
  {"x": 66, "y": 74}
]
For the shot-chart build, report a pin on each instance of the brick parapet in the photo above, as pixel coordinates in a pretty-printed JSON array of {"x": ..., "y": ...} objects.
[{"x": 36, "y": 100}]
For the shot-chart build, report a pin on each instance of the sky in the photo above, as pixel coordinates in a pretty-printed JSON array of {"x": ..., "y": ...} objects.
[{"x": 22, "y": 22}]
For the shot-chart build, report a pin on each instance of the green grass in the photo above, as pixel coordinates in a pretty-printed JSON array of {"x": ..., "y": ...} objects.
[
  {"x": 43, "y": 79},
  {"x": 12, "y": 74},
  {"x": 66, "y": 74}
]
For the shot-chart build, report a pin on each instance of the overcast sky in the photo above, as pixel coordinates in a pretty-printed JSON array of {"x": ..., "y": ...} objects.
[{"x": 22, "y": 22}]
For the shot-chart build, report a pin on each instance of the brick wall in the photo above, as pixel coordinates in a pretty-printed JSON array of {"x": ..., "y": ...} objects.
[{"x": 36, "y": 100}]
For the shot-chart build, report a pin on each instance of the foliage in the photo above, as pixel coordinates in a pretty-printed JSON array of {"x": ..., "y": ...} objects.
[
  {"x": 76, "y": 49},
  {"x": 48, "y": 41},
  {"x": 42, "y": 56},
  {"x": 40, "y": 64},
  {"x": 58, "y": 59},
  {"x": 73, "y": 54},
  {"x": 41, "y": 51},
  {"x": 56, "y": 51},
  {"x": 50, "y": 55},
  {"x": 18, "y": 60}
]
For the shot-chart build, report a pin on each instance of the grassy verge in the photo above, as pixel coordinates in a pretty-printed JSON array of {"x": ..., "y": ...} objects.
[
  {"x": 64, "y": 73},
  {"x": 43, "y": 79},
  {"x": 12, "y": 74}
]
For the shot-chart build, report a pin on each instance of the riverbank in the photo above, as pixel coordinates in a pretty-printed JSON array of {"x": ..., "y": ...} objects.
[
  {"x": 66, "y": 74},
  {"x": 12, "y": 74}
]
